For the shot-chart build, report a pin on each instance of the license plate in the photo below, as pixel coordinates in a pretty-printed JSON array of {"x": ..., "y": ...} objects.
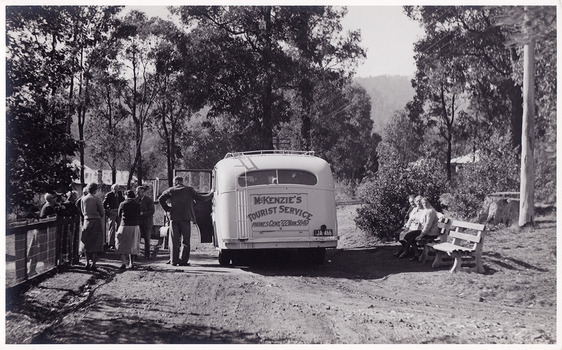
[{"x": 327, "y": 232}]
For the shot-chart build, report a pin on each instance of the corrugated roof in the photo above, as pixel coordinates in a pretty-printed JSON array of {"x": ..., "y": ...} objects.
[{"x": 467, "y": 158}]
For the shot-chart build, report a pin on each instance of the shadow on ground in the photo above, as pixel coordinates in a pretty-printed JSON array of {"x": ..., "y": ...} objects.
[
  {"x": 122, "y": 328},
  {"x": 362, "y": 263}
]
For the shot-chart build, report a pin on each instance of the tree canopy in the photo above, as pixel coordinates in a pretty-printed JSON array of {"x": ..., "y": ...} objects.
[{"x": 101, "y": 81}]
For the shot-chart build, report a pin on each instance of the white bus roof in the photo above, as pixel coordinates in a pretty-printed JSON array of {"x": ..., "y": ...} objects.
[{"x": 235, "y": 164}]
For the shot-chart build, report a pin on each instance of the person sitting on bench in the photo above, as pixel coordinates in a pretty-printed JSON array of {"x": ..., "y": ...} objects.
[
  {"x": 413, "y": 224},
  {"x": 429, "y": 228}
]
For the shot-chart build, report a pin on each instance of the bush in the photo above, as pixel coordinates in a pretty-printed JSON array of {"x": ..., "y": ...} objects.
[
  {"x": 387, "y": 192},
  {"x": 497, "y": 170},
  {"x": 345, "y": 190}
]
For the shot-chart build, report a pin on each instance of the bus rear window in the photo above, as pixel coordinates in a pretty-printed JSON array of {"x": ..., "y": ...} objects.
[{"x": 281, "y": 177}]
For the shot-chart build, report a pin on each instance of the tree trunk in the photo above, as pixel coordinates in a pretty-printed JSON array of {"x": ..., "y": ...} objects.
[
  {"x": 306, "y": 95},
  {"x": 516, "y": 114},
  {"x": 527, "y": 190},
  {"x": 267, "y": 126}
]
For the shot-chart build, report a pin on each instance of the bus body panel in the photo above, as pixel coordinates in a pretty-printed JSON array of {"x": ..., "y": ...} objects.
[{"x": 273, "y": 214}]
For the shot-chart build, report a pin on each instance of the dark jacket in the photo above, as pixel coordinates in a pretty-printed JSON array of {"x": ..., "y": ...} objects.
[
  {"x": 129, "y": 212},
  {"x": 146, "y": 210},
  {"x": 48, "y": 210},
  {"x": 181, "y": 199},
  {"x": 112, "y": 201}
]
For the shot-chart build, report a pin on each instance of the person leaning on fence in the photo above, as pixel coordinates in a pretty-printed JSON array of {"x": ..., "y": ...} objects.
[
  {"x": 70, "y": 203},
  {"x": 111, "y": 204},
  {"x": 92, "y": 229},
  {"x": 429, "y": 228},
  {"x": 127, "y": 237},
  {"x": 182, "y": 214},
  {"x": 50, "y": 207},
  {"x": 412, "y": 224},
  {"x": 146, "y": 218}
]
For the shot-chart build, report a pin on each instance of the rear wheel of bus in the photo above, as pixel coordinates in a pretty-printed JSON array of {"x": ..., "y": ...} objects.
[{"x": 224, "y": 257}]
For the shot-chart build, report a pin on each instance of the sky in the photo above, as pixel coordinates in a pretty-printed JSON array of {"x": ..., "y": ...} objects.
[{"x": 387, "y": 35}]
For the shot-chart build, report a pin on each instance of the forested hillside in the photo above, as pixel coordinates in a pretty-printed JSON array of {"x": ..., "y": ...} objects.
[{"x": 388, "y": 93}]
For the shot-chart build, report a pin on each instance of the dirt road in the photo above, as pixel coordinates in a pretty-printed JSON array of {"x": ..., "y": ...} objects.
[{"x": 362, "y": 294}]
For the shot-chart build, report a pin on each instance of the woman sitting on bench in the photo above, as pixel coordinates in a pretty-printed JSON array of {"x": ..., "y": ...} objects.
[
  {"x": 429, "y": 229},
  {"x": 413, "y": 224}
]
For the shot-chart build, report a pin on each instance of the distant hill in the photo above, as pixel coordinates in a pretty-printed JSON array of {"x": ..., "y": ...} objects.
[{"x": 388, "y": 93}]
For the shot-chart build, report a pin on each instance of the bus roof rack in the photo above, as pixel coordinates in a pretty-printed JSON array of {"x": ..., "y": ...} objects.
[{"x": 270, "y": 151}]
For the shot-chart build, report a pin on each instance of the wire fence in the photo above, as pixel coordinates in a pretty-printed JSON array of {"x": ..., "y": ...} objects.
[{"x": 33, "y": 249}]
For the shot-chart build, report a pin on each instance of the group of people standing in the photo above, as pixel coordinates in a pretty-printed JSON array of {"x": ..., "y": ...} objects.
[
  {"x": 421, "y": 225},
  {"x": 131, "y": 217}
]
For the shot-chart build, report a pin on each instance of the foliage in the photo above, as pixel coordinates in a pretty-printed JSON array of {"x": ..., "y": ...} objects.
[
  {"x": 400, "y": 141},
  {"x": 38, "y": 141},
  {"x": 109, "y": 133},
  {"x": 134, "y": 38},
  {"x": 540, "y": 22},
  {"x": 496, "y": 171},
  {"x": 481, "y": 47},
  {"x": 37, "y": 162},
  {"x": 180, "y": 89},
  {"x": 257, "y": 56},
  {"x": 342, "y": 123},
  {"x": 387, "y": 193},
  {"x": 206, "y": 141}
]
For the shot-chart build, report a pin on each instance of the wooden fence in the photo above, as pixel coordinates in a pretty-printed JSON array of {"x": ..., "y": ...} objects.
[{"x": 36, "y": 248}]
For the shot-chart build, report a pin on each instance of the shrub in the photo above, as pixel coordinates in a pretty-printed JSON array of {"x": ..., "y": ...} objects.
[
  {"x": 497, "y": 170},
  {"x": 387, "y": 192},
  {"x": 345, "y": 190}
]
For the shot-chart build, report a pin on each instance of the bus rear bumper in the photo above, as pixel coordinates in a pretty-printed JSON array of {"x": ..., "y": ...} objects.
[{"x": 280, "y": 242}]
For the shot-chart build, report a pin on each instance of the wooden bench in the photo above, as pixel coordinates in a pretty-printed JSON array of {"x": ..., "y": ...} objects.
[{"x": 464, "y": 241}]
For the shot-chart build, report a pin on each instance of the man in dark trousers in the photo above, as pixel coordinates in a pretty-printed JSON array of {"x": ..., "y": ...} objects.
[
  {"x": 111, "y": 204},
  {"x": 181, "y": 215},
  {"x": 146, "y": 218}
]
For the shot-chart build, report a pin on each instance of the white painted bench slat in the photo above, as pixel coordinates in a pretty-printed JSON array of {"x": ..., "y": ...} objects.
[{"x": 462, "y": 245}]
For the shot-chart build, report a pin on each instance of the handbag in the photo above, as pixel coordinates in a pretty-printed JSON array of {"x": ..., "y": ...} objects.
[
  {"x": 161, "y": 231},
  {"x": 165, "y": 230}
]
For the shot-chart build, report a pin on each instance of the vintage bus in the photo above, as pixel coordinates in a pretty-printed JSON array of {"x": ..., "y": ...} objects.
[
  {"x": 273, "y": 200},
  {"x": 266, "y": 200}
]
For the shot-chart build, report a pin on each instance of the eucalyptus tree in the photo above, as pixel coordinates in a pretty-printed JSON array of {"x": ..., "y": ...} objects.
[
  {"x": 489, "y": 41},
  {"x": 321, "y": 53},
  {"x": 180, "y": 89},
  {"x": 529, "y": 26},
  {"x": 47, "y": 65},
  {"x": 135, "y": 40},
  {"x": 108, "y": 131},
  {"x": 445, "y": 60},
  {"x": 342, "y": 131},
  {"x": 91, "y": 29},
  {"x": 259, "y": 54},
  {"x": 38, "y": 144},
  {"x": 482, "y": 39}
]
